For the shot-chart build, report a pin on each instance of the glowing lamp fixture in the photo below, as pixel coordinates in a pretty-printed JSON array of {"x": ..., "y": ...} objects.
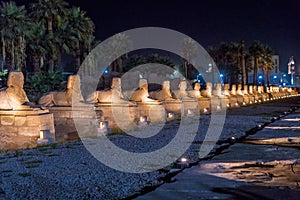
[
  {"x": 170, "y": 116},
  {"x": 143, "y": 119}
]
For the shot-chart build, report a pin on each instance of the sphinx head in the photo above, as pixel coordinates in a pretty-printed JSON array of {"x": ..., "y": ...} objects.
[{"x": 15, "y": 79}]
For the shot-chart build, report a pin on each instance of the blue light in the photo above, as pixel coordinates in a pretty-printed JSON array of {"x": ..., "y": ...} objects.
[
  {"x": 284, "y": 75},
  {"x": 221, "y": 75},
  {"x": 260, "y": 76},
  {"x": 106, "y": 71},
  {"x": 275, "y": 76}
]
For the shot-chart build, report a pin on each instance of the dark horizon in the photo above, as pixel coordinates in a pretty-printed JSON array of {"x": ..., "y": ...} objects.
[{"x": 275, "y": 22}]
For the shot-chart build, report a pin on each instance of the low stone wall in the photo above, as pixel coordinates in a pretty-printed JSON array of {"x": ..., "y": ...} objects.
[{"x": 21, "y": 129}]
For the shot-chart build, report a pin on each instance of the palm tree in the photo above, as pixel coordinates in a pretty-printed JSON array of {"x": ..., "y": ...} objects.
[
  {"x": 266, "y": 62},
  {"x": 255, "y": 51},
  {"x": 243, "y": 63},
  {"x": 36, "y": 48},
  {"x": 134, "y": 61},
  {"x": 13, "y": 27},
  {"x": 79, "y": 31},
  {"x": 116, "y": 49},
  {"x": 52, "y": 13},
  {"x": 228, "y": 59},
  {"x": 188, "y": 51}
]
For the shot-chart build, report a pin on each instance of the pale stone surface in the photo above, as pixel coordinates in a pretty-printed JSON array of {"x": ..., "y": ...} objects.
[
  {"x": 114, "y": 95},
  {"x": 63, "y": 98},
  {"x": 208, "y": 91},
  {"x": 195, "y": 93},
  {"x": 218, "y": 91},
  {"x": 21, "y": 121},
  {"x": 164, "y": 94},
  {"x": 142, "y": 94},
  {"x": 233, "y": 89},
  {"x": 13, "y": 97},
  {"x": 7, "y": 120},
  {"x": 226, "y": 91},
  {"x": 182, "y": 93}
]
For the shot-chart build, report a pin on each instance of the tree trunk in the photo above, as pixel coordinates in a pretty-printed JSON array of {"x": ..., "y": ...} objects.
[
  {"x": 12, "y": 55},
  {"x": 36, "y": 64},
  {"x": 3, "y": 53},
  {"x": 120, "y": 64},
  {"x": 268, "y": 78},
  {"x": 255, "y": 71},
  {"x": 50, "y": 57},
  {"x": 244, "y": 79},
  {"x": 263, "y": 82},
  {"x": 77, "y": 57}
]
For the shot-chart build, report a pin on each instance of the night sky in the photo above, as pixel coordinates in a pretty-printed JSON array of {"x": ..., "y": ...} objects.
[{"x": 273, "y": 22}]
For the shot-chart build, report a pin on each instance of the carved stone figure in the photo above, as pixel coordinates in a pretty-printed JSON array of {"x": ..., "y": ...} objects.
[
  {"x": 208, "y": 91},
  {"x": 226, "y": 91},
  {"x": 164, "y": 94},
  {"x": 182, "y": 93},
  {"x": 62, "y": 98},
  {"x": 14, "y": 97},
  {"x": 142, "y": 94},
  {"x": 111, "y": 96}
]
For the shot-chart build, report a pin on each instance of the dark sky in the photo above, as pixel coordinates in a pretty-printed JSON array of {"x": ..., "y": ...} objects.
[{"x": 273, "y": 22}]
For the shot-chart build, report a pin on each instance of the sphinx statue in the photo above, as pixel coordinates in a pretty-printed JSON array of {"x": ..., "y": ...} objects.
[
  {"x": 114, "y": 95},
  {"x": 164, "y": 94},
  {"x": 63, "y": 98},
  {"x": 142, "y": 94},
  {"x": 14, "y": 97},
  {"x": 182, "y": 93}
]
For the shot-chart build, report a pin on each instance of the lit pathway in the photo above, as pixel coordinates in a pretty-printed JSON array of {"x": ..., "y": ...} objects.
[{"x": 265, "y": 166}]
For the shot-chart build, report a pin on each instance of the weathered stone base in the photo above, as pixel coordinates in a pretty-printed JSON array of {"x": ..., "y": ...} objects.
[
  {"x": 225, "y": 102},
  {"x": 215, "y": 103},
  {"x": 240, "y": 99},
  {"x": 204, "y": 105},
  {"x": 155, "y": 112},
  {"x": 246, "y": 99},
  {"x": 64, "y": 124},
  {"x": 119, "y": 116},
  {"x": 190, "y": 106},
  {"x": 173, "y": 106},
  {"x": 233, "y": 101},
  {"x": 21, "y": 129}
]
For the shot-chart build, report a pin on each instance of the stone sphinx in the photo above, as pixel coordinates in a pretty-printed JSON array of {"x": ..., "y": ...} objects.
[
  {"x": 142, "y": 94},
  {"x": 182, "y": 93},
  {"x": 63, "y": 98},
  {"x": 164, "y": 94},
  {"x": 22, "y": 122},
  {"x": 114, "y": 95},
  {"x": 14, "y": 97}
]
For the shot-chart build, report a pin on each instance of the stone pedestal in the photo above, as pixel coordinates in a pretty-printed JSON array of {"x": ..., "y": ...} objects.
[
  {"x": 189, "y": 106},
  {"x": 154, "y": 112},
  {"x": 21, "y": 128},
  {"x": 204, "y": 105},
  {"x": 65, "y": 128},
  {"x": 224, "y": 102},
  {"x": 119, "y": 116}
]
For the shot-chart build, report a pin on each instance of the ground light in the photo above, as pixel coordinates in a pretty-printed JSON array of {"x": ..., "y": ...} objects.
[
  {"x": 181, "y": 163},
  {"x": 143, "y": 121},
  {"x": 103, "y": 128}
]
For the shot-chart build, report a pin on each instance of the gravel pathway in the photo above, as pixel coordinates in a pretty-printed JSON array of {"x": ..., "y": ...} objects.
[{"x": 69, "y": 171}]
